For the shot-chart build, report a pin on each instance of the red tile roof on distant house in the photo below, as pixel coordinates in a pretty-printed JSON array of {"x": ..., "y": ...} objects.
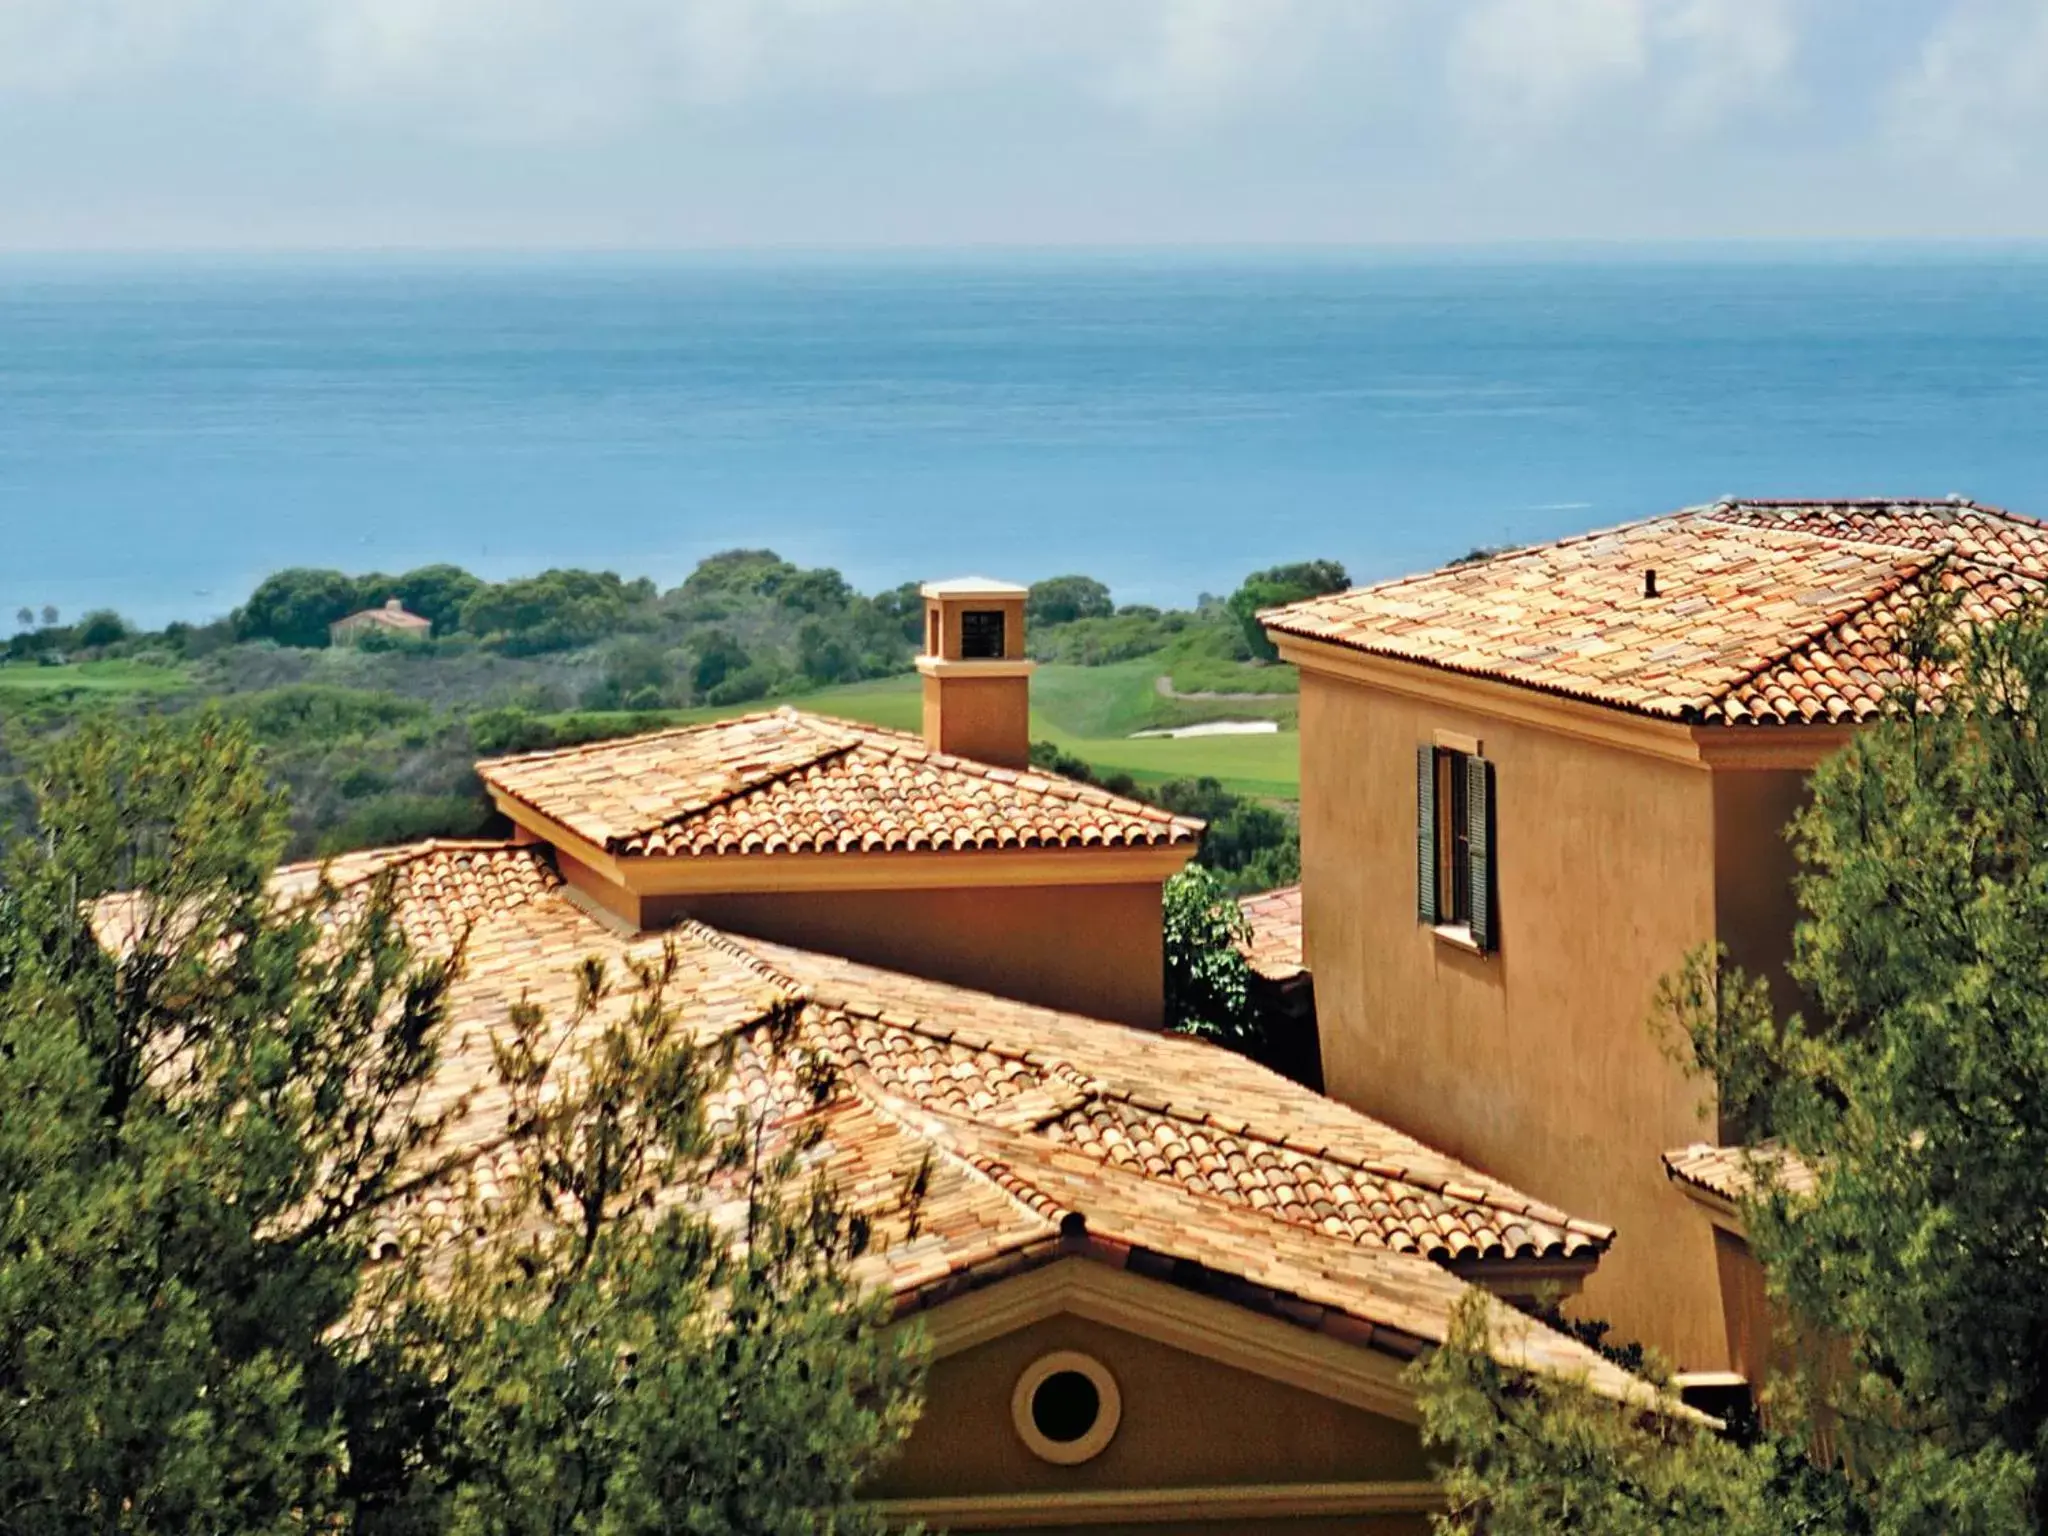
[
  {"x": 1768, "y": 613},
  {"x": 392, "y": 615},
  {"x": 784, "y": 782},
  {"x": 983, "y": 1136},
  {"x": 1273, "y": 949}
]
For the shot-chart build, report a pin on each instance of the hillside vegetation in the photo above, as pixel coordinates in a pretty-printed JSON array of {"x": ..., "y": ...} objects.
[{"x": 376, "y": 740}]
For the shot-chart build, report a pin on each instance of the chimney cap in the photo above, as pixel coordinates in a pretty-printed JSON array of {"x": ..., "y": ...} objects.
[{"x": 973, "y": 586}]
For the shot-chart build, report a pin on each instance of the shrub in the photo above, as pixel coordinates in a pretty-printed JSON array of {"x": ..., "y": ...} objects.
[
  {"x": 1208, "y": 983},
  {"x": 396, "y": 817}
]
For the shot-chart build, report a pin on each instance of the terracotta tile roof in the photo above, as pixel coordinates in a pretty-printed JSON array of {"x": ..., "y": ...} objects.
[
  {"x": 784, "y": 782},
  {"x": 1730, "y": 1172},
  {"x": 982, "y": 1136},
  {"x": 1763, "y": 613},
  {"x": 1274, "y": 948},
  {"x": 1182, "y": 1112}
]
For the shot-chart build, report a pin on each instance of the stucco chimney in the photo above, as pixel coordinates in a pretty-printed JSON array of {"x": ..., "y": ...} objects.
[{"x": 977, "y": 684}]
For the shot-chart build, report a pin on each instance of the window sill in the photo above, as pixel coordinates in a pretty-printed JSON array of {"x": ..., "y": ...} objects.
[{"x": 1458, "y": 936}]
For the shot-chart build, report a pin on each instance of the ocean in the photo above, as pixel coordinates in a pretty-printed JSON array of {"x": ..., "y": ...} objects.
[{"x": 172, "y": 429}]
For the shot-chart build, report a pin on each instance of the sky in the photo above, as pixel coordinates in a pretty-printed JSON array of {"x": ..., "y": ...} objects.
[{"x": 664, "y": 124}]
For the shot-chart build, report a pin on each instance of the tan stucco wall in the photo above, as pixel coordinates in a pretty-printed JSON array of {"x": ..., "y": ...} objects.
[
  {"x": 1746, "y": 1307},
  {"x": 1188, "y": 1422},
  {"x": 987, "y": 719},
  {"x": 1754, "y": 908},
  {"x": 1536, "y": 1062},
  {"x": 1090, "y": 949}
]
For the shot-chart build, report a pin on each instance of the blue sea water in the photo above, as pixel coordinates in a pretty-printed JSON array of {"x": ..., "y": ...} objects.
[{"x": 173, "y": 429}]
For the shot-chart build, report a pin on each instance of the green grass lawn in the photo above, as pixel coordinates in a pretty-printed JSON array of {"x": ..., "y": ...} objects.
[
  {"x": 112, "y": 678},
  {"x": 1090, "y": 712}
]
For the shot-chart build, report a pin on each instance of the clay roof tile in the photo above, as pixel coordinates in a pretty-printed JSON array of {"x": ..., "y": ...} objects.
[{"x": 1764, "y": 613}]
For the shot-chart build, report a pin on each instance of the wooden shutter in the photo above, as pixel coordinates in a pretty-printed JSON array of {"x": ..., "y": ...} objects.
[
  {"x": 1426, "y": 905},
  {"x": 1479, "y": 843}
]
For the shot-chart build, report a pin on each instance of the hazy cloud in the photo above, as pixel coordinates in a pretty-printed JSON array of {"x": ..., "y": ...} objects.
[
  {"x": 1976, "y": 98},
  {"x": 1681, "y": 64},
  {"x": 1111, "y": 119}
]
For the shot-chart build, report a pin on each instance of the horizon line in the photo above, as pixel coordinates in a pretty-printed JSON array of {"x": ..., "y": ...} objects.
[{"x": 1559, "y": 245}]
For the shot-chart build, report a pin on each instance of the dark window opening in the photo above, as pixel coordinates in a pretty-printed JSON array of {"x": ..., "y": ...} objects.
[
  {"x": 1454, "y": 843},
  {"x": 1453, "y": 838},
  {"x": 981, "y": 635},
  {"x": 1065, "y": 1407}
]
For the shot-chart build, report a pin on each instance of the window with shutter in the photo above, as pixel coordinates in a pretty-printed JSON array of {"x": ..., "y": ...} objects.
[
  {"x": 1454, "y": 845},
  {"x": 1479, "y": 850},
  {"x": 1425, "y": 835}
]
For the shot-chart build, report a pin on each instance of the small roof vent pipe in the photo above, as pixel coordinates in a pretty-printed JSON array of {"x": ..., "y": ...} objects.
[{"x": 1650, "y": 582}]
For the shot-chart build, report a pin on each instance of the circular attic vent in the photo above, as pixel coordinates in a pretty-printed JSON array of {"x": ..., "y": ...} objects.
[{"x": 1066, "y": 1407}]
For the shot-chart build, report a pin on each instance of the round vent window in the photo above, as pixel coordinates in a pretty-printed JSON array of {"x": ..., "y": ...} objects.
[{"x": 1066, "y": 1407}]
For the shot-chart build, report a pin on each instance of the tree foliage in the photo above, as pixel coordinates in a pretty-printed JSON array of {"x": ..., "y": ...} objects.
[
  {"x": 207, "y": 1123},
  {"x": 294, "y": 607},
  {"x": 1208, "y": 984},
  {"x": 434, "y": 592},
  {"x": 554, "y": 611},
  {"x": 193, "y": 1140},
  {"x": 1063, "y": 599},
  {"x": 1914, "y": 1269},
  {"x": 1278, "y": 585},
  {"x": 1252, "y": 845},
  {"x": 102, "y": 626}
]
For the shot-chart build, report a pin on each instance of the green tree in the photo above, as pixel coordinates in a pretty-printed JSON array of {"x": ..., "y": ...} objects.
[
  {"x": 208, "y": 1116},
  {"x": 740, "y": 572},
  {"x": 25, "y": 617},
  {"x": 435, "y": 592},
  {"x": 902, "y": 609},
  {"x": 557, "y": 610},
  {"x": 719, "y": 656},
  {"x": 1253, "y": 846},
  {"x": 195, "y": 1136},
  {"x": 824, "y": 655},
  {"x": 102, "y": 626},
  {"x": 637, "y": 675},
  {"x": 1063, "y": 599},
  {"x": 294, "y": 607},
  {"x": 1208, "y": 984},
  {"x": 610, "y": 1372},
  {"x": 817, "y": 590},
  {"x": 1916, "y": 1094},
  {"x": 1279, "y": 585}
]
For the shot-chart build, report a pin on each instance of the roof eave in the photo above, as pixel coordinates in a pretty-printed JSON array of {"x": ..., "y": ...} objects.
[{"x": 1606, "y": 722}]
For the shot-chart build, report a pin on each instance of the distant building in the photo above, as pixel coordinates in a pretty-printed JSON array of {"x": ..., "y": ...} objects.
[{"x": 390, "y": 619}]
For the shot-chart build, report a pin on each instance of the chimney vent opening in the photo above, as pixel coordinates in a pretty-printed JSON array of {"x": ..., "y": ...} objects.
[
  {"x": 981, "y": 634},
  {"x": 1650, "y": 582}
]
